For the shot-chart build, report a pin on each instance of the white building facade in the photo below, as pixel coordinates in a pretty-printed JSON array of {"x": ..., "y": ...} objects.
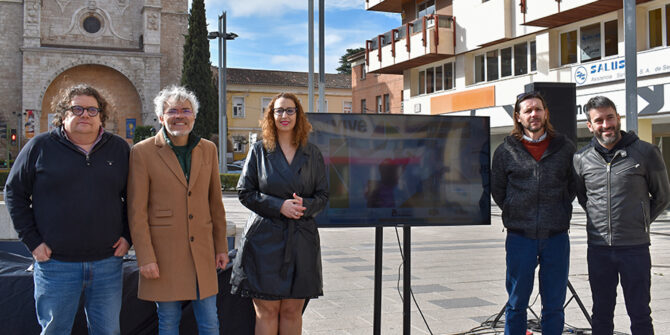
[{"x": 472, "y": 57}]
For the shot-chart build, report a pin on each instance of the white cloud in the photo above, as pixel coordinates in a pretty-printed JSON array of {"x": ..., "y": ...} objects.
[
  {"x": 342, "y": 4},
  {"x": 273, "y": 34},
  {"x": 332, "y": 39},
  {"x": 258, "y": 8},
  {"x": 212, "y": 23},
  {"x": 395, "y": 16},
  {"x": 290, "y": 62}
]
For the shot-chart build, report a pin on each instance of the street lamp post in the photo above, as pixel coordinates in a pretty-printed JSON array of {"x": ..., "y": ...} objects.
[{"x": 223, "y": 116}]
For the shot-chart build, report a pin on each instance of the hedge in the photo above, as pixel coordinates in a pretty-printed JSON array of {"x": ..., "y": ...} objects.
[
  {"x": 3, "y": 177},
  {"x": 229, "y": 181}
]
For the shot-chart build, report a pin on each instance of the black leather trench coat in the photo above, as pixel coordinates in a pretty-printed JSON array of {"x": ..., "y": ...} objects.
[{"x": 280, "y": 257}]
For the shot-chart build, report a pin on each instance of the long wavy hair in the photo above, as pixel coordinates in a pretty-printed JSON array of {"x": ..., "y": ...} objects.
[
  {"x": 300, "y": 131},
  {"x": 61, "y": 102},
  {"x": 517, "y": 132}
]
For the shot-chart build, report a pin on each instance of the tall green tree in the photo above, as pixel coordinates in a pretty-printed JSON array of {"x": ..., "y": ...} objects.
[
  {"x": 345, "y": 66},
  {"x": 196, "y": 74}
]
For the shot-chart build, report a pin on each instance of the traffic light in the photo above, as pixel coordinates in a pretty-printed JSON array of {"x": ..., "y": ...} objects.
[{"x": 12, "y": 137}]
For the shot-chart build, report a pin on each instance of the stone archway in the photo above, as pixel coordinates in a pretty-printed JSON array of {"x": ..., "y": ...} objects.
[{"x": 122, "y": 96}]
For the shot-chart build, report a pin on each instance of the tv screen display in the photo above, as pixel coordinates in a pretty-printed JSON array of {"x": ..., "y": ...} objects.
[{"x": 397, "y": 169}]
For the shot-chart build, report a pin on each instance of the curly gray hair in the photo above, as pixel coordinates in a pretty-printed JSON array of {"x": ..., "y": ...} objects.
[{"x": 174, "y": 92}]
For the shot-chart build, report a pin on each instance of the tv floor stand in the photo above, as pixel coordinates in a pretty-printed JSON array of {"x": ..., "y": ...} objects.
[{"x": 574, "y": 297}]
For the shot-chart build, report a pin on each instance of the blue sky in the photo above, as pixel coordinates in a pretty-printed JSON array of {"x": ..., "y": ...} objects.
[{"x": 273, "y": 33}]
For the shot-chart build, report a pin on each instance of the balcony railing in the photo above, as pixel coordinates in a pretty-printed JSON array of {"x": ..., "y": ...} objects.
[{"x": 421, "y": 41}]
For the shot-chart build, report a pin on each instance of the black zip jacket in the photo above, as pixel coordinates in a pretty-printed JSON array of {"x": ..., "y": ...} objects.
[
  {"x": 621, "y": 198},
  {"x": 535, "y": 196},
  {"x": 72, "y": 201}
]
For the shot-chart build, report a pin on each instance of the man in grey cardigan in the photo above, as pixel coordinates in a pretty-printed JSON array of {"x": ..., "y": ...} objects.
[{"x": 532, "y": 183}]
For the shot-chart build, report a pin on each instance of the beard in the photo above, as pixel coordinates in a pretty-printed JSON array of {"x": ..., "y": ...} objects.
[
  {"x": 609, "y": 140},
  {"x": 534, "y": 129},
  {"x": 180, "y": 132}
]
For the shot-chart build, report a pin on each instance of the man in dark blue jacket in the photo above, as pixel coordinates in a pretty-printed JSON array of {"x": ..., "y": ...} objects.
[
  {"x": 623, "y": 186},
  {"x": 66, "y": 197},
  {"x": 532, "y": 183}
]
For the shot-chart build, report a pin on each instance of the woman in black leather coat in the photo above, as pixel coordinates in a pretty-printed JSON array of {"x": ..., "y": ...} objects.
[{"x": 284, "y": 184}]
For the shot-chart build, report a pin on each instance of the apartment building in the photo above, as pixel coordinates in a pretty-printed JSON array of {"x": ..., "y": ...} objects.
[
  {"x": 472, "y": 57},
  {"x": 249, "y": 91},
  {"x": 375, "y": 93}
]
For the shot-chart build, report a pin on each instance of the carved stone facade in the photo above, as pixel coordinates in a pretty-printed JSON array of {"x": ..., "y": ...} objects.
[{"x": 129, "y": 49}]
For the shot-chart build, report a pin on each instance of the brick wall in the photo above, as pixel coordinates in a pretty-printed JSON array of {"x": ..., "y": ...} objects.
[{"x": 375, "y": 85}]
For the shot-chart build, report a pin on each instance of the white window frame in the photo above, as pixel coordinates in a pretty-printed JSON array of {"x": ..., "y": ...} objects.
[
  {"x": 386, "y": 102},
  {"x": 453, "y": 76},
  {"x": 511, "y": 61},
  {"x": 235, "y": 112},
  {"x": 344, "y": 107},
  {"x": 418, "y": 80},
  {"x": 443, "y": 81},
  {"x": 530, "y": 58},
  {"x": 560, "y": 46},
  {"x": 664, "y": 37},
  {"x": 499, "y": 63},
  {"x": 474, "y": 68},
  {"x": 601, "y": 21},
  {"x": 238, "y": 146}
]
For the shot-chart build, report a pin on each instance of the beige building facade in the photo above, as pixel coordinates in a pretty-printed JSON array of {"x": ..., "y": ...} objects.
[{"x": 127, "y": 49}]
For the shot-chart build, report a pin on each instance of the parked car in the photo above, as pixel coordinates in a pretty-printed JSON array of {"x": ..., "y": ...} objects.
[
  {"x": 233, "y": 168},
  {"x": 239, "y": 163}
]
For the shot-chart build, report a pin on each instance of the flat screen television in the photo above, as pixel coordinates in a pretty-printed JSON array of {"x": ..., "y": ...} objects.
[{"x": 398, "y": 169}]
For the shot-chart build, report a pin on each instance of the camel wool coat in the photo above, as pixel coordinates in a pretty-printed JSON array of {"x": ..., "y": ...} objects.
[{"x": 179, "y": 225}]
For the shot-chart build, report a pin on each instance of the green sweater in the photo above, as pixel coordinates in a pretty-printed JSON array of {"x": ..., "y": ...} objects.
[{"x": 183, "y": 153}]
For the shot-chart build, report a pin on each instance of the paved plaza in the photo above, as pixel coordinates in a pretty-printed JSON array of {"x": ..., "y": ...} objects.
[{"x": 457, "y": 277}]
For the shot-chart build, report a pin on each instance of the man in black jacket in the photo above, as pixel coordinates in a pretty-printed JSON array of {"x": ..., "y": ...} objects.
[
  {"x": 532, "y": 183},
  {"x": 66, "y": 197},
  {"x": 622, "y": 184}
]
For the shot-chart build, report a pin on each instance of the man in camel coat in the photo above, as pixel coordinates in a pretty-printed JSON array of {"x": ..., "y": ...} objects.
[{"x": 176, "y": 215}]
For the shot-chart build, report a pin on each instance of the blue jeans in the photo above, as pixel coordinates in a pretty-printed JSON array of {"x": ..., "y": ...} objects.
[
  {"x": 169, "y": 316},
  {"x": 58, "y": 288},
  {"x": 633, "y": 265},
  {"x": 523, "y": 256}
]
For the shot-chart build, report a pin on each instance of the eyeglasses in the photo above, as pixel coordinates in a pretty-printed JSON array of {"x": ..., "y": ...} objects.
[
  {"x": 183, "y": 111},
  {"x": 289, "y": 111},
  {"x": 79, "y": 110}
]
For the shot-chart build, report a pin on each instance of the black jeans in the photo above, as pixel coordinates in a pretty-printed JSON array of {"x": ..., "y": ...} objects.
[{"x": 633, "y": 265}]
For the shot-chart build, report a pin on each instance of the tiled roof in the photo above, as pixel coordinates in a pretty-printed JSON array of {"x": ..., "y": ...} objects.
[{"x": 282, "y": 78}]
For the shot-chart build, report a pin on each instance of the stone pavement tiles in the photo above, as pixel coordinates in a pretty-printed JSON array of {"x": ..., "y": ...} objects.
[{"x": 457, "y": 277}]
